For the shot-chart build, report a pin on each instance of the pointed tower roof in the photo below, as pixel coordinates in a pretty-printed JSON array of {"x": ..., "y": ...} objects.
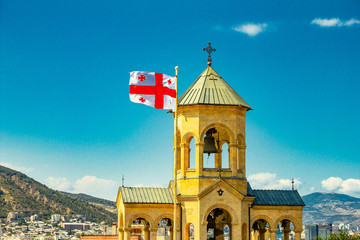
[{"x": 211, "y": 89}]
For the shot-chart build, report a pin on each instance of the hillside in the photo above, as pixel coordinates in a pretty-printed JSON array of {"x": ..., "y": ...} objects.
[
  {"x": 331, "y": 208},
  {"x": 107, "y": 204},
  {"x": 22, "y": 194}
]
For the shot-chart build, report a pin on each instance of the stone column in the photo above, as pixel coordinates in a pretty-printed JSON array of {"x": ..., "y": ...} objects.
[
  {"x": 298, "y": 234},
  {"x": 241, "y": 158},
  {"x": 262, "y": 234},
  {"x": 286, "y": 229},
  {"x": 255, "y": 235},
  {"x": 286, "y": 234},
  {"x": 171, "y": 233},
  {"x": 218, "y": 159},
  {"x": 146, "y": 234},
  {"x": 233, "y": 157},
  {"x": 201, "y": 232},
  {"x": 153, "y": 233},
  {"x": 121, "y": 233},
  {"x": 127, "y": 233},
  {"x": 273, "y": 234},
  {"x": 199, "y": 157},
  {"x": 184, "y": 158}
]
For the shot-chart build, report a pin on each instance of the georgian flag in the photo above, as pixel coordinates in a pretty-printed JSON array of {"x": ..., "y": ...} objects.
[{"x": 153, "y": 89}]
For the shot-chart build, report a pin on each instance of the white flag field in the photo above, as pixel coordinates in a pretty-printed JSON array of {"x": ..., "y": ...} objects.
[{"x": 153, "y": 89}]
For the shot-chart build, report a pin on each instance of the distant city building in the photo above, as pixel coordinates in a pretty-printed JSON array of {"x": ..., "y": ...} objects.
[
  {"x": 65, "y": 219},
  {"x": 79, "y": 216},
  {"x": 314, "y": 230},
  {"x": 325, "y": 230},
  {"x": 12, "y": 216},
  {"x": 55, "y": 218},
  {"x": 75, "y": 226},
  {"x": 34, "y": 218}
]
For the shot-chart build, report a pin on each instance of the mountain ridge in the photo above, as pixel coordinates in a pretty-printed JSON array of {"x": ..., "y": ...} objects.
[
  {"x": 332, "y": 208},
  {"x": 22, "y": 194},
  {"x": 18, "y": 190}
]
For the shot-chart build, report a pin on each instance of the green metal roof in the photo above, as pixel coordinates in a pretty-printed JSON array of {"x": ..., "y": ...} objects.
[
  {"x": 276, "y": 197},
  {"x": 146, "y": 195},
  {"x": 211, "y": 88}
]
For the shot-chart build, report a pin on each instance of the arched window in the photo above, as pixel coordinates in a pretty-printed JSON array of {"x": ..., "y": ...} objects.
[
  {"x": 227, "y": 232},
  {"x": 189, "y": 232},
  {"x": 192, "y": 154},
  {"x": 225, "y": 156}
]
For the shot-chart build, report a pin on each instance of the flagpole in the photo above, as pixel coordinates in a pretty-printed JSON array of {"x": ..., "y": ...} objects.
[{"x": 175, "y": 155}]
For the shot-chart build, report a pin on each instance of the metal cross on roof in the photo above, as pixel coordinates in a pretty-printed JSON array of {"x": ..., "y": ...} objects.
[{"x": 209, "y": 50}]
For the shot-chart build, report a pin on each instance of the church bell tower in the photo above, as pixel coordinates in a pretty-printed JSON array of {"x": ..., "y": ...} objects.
[{"x": 213, "y": 199}]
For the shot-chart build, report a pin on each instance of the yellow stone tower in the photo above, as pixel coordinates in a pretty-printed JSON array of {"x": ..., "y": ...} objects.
[
  {"x": 211, "y": 109},
  {"x": 213, "y": 202}
]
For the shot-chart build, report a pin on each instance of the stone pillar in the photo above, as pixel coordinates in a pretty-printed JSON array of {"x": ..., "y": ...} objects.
[
  {"x": 241, "y": 158},
  {"x": 256, "y": 235},
  {"x": 267, "y": 234},
  {"x": 233, "y": 157},
  {"x": 171, "y": 233},
  {"x": 218, "y": 159},
  {"x": 201, "y": 233},
  {"x": 199, "y": 157},
  {"x": 127, "y": 233},
  {"x": 121, "y": 233},
  {"x": 286, "y": 229},
  {"x": 184, "y": 158},
  {"x": 273, "y": 234},
  {"x": 298, "y": 234},
  {"x": 153, "y": 233},
  {"x": 262, "y": 234},
  {"x": 286, "y": 234},
  {"x": 146, "y": 234}
]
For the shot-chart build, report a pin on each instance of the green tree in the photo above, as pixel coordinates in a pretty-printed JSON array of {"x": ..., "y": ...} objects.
[{"x": 341, "y": 235}]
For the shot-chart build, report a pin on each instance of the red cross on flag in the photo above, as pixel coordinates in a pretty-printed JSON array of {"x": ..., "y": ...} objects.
[{"x": 153, "y": 89}]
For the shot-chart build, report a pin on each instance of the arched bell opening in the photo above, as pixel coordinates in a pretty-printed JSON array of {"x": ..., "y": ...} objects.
[
  {"x": 165, "y": 229},
  {"x": 140, "y": 229},
  {"x": 260, "y": 230},
  {"x": 219, "y": 225},
  {"x": 214, "y": 140}
]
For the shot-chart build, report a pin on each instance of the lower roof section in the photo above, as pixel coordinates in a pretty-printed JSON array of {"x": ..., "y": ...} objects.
[
  {"x": 275, "y": 197},
  {"x": 165, "y": 196},
  {"x": 146, "y": 195}
]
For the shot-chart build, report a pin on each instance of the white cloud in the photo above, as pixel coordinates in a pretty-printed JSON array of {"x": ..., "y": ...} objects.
[
  {"x": 332, "y": 183},
  {"x": 251, "y": 29},
  {"x": 98, "y": 187},
  {"x": 61, "y": 184},
  {"x": 349, "y": 186},
  {"x": 17, "y": 168},
  {"x": 334, "y": 22},
  {"x": 351, "y": 22},
  {"x": 326, "y": 22},
  {"x": 266, "y": 180}
]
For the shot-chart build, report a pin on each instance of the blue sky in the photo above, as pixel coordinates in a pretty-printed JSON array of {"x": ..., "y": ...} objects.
[{"x": 65, "y": 115}]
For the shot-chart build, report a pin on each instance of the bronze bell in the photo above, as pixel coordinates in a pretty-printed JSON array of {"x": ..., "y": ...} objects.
[{"x": 209, "y": 145}]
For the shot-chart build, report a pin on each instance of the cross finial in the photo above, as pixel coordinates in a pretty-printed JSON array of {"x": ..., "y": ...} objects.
[
  {"x": 209, "y": 50},
  {"x": 292, "y": 184}
]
